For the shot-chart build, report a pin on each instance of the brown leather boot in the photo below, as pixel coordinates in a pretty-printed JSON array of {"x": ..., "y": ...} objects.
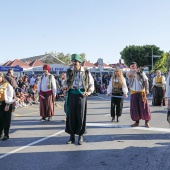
[
  {"x": 135, "y": 124},
  {"x": 147, "y": 124}
]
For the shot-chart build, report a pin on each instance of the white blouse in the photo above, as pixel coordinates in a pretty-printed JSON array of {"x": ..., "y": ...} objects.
[
  {"x": 9, "y": 94},
  {"x": 43, "y": 84},
  {"x": 124, "y": 86}
]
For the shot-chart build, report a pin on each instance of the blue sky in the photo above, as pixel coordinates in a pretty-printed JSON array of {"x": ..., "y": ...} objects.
[{"x": 98, "y": 28}]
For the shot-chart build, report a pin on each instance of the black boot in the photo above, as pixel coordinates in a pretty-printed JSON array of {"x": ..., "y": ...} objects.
[
  {"x": 1, "y": 135},
  {"x": 80, "y": 140},
  {"x": 168, "y": 116},
  {"x": 43, "y": 119},
  {"x": 71, "y": 140},
  {"x": 5, "y": 137},
  {"x": 113, "y": 119},
  {"x": 6, "y": 134},
  {"x": 49, "y": 118},
  {"x": 147, "y": 124},
  {"x": 117, "y": 118}
]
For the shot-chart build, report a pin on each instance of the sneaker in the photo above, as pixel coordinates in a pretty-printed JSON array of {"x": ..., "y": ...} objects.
[{"x": 24, "y": 105}]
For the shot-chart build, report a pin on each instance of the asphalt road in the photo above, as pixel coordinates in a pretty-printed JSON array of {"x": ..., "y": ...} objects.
[{"x": 35, "y": 145}]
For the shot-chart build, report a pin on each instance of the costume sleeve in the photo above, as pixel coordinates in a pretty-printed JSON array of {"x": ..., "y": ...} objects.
[
  {"x": 124, "y": 87},
  {"x": 154, "y": 83},
  {"x": 144, "y": 76},
  {"x": 167, "y": 92},
  {"x": 9, "y": 94},
  {"x": 54, "y": 87},
  {"x": 109, "y": 88},
  {"x": 91, "y": 84},
  {"x": 163, "y": 80},
  {"x": 130, "y": 74}
]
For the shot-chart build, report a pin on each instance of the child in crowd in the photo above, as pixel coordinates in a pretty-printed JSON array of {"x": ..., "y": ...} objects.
[
  {"x": 103, "y": 89},
  {"x": 36, "y": 97},
  {"x": 21, "y": 96},
  {"x": 17, "y": 100},
  {"x": 30, "y": 99}
]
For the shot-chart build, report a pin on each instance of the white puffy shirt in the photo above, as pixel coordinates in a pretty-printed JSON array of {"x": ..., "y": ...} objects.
[
  {"x": 43, "y": 84},
  {"x": 136, "y": 85},
  {"x": 124, "y": 86},
  {"x": 9, "y": 94}
]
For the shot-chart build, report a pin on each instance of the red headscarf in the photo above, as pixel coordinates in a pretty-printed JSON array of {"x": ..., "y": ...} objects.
[{"x": 46, "y": 67}]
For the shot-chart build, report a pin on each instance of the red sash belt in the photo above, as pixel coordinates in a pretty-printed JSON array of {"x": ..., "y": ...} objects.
[{"x": 43, "y": 95}]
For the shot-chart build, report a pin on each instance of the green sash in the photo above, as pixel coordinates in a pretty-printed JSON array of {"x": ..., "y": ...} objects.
[{"x": 73, "y": 91}]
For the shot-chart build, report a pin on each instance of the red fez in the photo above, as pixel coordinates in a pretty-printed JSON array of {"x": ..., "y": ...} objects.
[{"x": 46, "y": 67}]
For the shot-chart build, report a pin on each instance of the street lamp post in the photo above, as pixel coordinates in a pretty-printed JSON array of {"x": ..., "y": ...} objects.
[
  {"x": 100, "y": 66},
  {"x": 152, "y": 59},
  {"x": 154, "y": 56}
]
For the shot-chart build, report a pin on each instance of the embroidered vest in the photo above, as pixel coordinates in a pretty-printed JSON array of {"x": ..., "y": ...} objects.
[
  {"x": 49, "y": 85},
  {"x": 71, "y": 76},
  {"x": 116, "y": 87},
  {"x": 158, "y": 79},
  {"x": 2, "y": 91}
]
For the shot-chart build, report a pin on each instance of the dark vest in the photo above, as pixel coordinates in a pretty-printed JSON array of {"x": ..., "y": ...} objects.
[{"x": 71, "y": 76}]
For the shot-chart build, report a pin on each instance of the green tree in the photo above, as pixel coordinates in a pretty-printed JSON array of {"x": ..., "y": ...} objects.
[
  {"x": 65, "y": 58},
  {"x": 83, "y": 55},
  {"x": 140, "y": 54},
  {"x": 161, "y": 64},
  {"x": 168, "y": 61}
]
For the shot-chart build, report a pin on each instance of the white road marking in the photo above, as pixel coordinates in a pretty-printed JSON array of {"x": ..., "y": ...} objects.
[
  {"x": 129, "y": 127},
  {"x": 98, "y": 102},
  {"x": 24, "y": 121},
  {"x": 30, "y": 144}
]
